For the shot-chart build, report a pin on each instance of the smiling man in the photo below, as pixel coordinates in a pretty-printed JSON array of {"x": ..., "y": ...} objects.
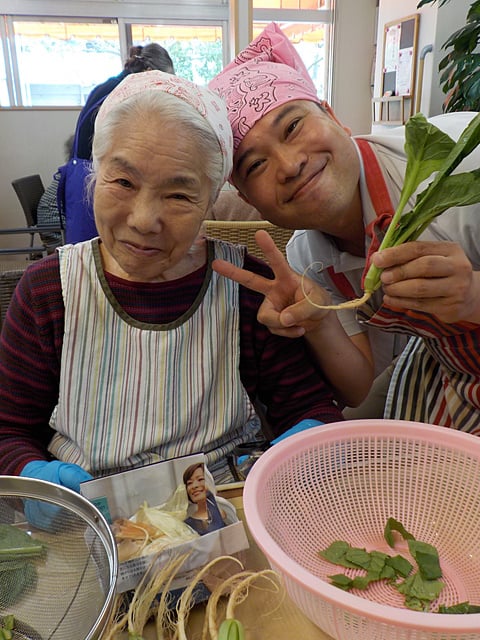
[{"x": 301, "y": 168}]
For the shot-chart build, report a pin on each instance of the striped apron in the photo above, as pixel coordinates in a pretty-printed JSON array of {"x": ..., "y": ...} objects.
[
  {"x": 436, "y": 379},
  {"x": 133, "y": 393}
]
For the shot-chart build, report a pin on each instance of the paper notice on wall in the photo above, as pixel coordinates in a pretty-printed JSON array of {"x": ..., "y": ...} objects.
[
  {"x": 404, "y": 72},
  {"x": 392, "y": 45}
]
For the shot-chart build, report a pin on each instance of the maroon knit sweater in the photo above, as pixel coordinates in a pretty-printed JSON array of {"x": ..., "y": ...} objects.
[{"x": 275, "y": 370}]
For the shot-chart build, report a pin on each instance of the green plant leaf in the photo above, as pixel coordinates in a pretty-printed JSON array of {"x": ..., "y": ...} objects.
[
  {"x": 15, "y": 577},
  {"x": 427, "y": 205},
  {"x": 341, "y": 581},
  {"x": 400, "y": 565},
  {"x": 14, "y": 543},
  {"x": 394, "y": 525},
  {"x": 426, "y": 148},
  {"x": 231, "y": 629},
  {"x": 461, "y": 607},
  {"x": 426, "y": 557},
  {"x": 458, "y": 190},
  {"x": 336, "y": 554},
  {"x": 420, "y": 593}
]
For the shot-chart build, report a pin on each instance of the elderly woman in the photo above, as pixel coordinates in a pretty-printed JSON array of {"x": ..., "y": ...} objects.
[{"x": 129, "y": 349}]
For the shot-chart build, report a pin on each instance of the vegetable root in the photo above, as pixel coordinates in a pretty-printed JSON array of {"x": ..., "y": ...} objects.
[
  {"x": 240, "y": 592},
  {"x": 134, "y": 615},
  {"x": 185, "y": 602},
  {"x": 140, "y": 608},
  {"x": 210, "y": 621},
  {"x": 350, "y": 304}
]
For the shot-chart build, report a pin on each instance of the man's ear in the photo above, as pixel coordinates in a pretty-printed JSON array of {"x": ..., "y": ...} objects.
[{"x": 328, "y": 109}]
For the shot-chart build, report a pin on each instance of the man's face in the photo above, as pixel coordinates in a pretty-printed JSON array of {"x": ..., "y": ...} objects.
[{"x": 299, "y": 167}]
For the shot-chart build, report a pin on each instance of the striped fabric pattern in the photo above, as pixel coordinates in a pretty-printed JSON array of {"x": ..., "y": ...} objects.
[
  {"x": 135, "y": 393},
  {"x": 437, "y": 377}
]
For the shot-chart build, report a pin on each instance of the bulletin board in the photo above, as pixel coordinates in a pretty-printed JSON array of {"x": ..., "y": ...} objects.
[{"x": 399, "y": 56}]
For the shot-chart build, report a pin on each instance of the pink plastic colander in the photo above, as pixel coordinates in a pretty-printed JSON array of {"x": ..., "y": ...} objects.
[{"x": 342, "y": 482}]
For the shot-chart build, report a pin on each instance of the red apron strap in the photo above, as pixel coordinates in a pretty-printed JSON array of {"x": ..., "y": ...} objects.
[
  {"x": 379, "y": 196},
  {"x": 342, "y": 283},
  {"x": 376, "y": 185},
  {"x": 382, "y": 204}
]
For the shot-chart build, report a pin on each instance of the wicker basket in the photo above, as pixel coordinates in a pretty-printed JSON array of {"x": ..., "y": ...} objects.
[{"x": 243, "y": 232}]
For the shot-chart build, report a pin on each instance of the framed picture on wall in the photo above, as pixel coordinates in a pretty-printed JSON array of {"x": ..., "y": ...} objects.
[
  {"x": 396, "y": 101},
  {"x": 399, "y": 56}
]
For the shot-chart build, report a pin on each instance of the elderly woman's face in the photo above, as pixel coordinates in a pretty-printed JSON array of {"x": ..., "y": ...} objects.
[{"x": 151, "y": 196}]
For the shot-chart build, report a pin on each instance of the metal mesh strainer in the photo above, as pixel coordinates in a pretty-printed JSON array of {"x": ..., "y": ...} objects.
[{"x": 57, "y": 581}]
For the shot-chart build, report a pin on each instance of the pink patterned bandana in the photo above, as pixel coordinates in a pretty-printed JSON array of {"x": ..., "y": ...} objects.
[
  {"x": 265, "y": 75},
  {"x": 206, "y": 102}
]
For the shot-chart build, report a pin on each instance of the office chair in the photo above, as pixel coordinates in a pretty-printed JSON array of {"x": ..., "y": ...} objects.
[{"x": 29, "y": 190}]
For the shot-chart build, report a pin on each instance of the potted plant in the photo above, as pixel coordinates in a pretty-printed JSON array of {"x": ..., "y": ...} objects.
[{"x": 460, "y": 68}]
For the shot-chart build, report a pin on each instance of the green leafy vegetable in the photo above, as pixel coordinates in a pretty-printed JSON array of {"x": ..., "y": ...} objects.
[
  {"x": 400, "y": 565},
  {"x": 17, "y": 571},
  {"x": 15, "y": 543},
  {"x": 427, "y": 559},
  {"x": 428, "y": 149},
  {"x": 6, "y": 627},
  {"x": 231, "y": 629},
  {"x": 394, "y": 525},
  {"x": 420, "y": 587},
  {"x": 15, "y": 577},
  {"x": 461, "y": 607},
  {"x": 342, "y": 581},
  {"x": 419, "y": 592}
]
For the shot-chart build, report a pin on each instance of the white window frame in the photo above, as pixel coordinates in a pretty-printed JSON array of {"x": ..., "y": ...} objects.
[
  {"x": 325, "y": 16},
  {"x": 218, "y": 12}
]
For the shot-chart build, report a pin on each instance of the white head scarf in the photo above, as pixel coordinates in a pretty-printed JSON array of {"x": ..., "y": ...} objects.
[{"x": 205, "y": 101}]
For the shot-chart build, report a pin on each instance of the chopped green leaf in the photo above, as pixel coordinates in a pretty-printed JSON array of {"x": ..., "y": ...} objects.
[
  {"x": 362, "y": 582},
  {"x": 336, "y": 554},
  {"x": 14, "y": 542},
  {"x": 341, "y": 581},
  {"x": 15, "y": 577},
  {"x": 395, "y": 525},
  {"x": 461, "y": 607},
  {"x": 427, "y": 559},
  {"x": 9, "y": 622},
  {"x": 419, "y": 593},
  {"x": 400, "y": 565},
  {"x": 420, "y": 588},
  {"x": 358, "y": 557}
]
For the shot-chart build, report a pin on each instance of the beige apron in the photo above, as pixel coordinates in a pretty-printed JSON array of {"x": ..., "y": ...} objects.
[{"x": 132, "y": 393}]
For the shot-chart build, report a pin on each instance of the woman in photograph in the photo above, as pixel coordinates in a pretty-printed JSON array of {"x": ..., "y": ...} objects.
[{"x": 207, "y": 515}]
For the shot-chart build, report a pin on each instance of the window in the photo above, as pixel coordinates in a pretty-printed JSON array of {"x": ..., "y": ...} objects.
[
  {"x": 309, "y": 41},
  {"x": 308, "y": 26},
  {"x": 196, "y": 51},
  {"x": 291, "y": 4},
  {"x": 3, "y": 80},
  {"x": 60, "y": 62},
  {"x": 47, "y": 60}
]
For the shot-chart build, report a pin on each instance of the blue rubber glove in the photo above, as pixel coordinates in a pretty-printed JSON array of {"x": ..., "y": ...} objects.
[
  {"x": 42, "y": 514},
  {"x": 297, "y": 428}
]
